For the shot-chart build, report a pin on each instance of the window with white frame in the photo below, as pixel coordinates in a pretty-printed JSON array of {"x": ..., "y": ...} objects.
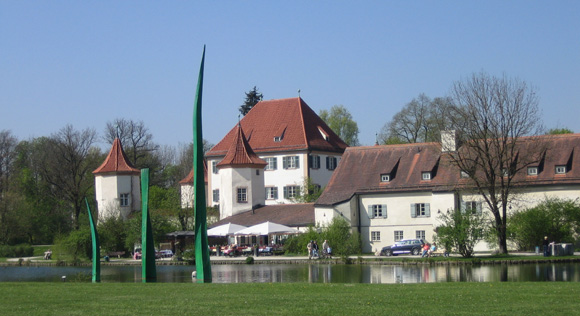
[
  {"x": 560, "y": 169},
  {"x": 505, "y": 172},
  {"x": 426, "y": 175},
  {"x": 398, "y": 235},
  {"x": 385, "y": 177},
  {"x": 291, "y": 191},
  {"x": 272, "y": 163},
  {"x": 375, "y": 236},
  {"x": 242, "y": 195},
  {"x": 420, "y": 210},
  {"x": 271, "y": 193},
  {"x": 532, "y": 171},
  {"x": 315, "y": 162},
  {"x": 216, "y": 195},
  {"x": 124, "y": 199},
  {"x": 420, "y": 234},
  {"x": 464, "y": 174},
  {"x": 331, "y": 163},
  {"x": 214, "y": 168},
  {"x": 378, "y": 211},
  {"x": 290, "y": 162}
]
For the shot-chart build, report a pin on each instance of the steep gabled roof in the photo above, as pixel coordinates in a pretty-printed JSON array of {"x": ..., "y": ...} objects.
[
  {"x": 360, "y": 168},
  {"x": 240, "y": 154},
  {"x": 117, "y": 162},
  {"x": 282, "y": 125}
]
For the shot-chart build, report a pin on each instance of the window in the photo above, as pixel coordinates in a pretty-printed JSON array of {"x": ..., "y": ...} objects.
[
  {"x": 420, "y": 210},
  {"x": 290, "y": 162},
  {"x": 315, "y": 162},
  {"x": 271, "y": 193},
  {"x": 331, "y": 163},
  {"x": 505, "y": 172},
  {"x": 420, "y": 234},
  {"x": 560, "y": 169},
  {"x": 216, "y": 195},
  {"x": 214, "y": 168},
  {"x": 257, "y": 172},
  {"x": 474, "y": 207},
  {"x": 291, "y": 191},
  {"x": 398, "y": 235},
  {"x": 378, "y": 210},
  {"x": 426, "y": 175},
  {"x": 532, "y": 171},
  {"x": 385, "y": 177},
  {"x": 375, "y": 236},
  {"x": 464, "y": 174},
  {"x": 272, "y": 163},
  {"x": 124, "y": 199},
  {"x": 242, "y": 195},
  {"x": 277, "y": 139}
]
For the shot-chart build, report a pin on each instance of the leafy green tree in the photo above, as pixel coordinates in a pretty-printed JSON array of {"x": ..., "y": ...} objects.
[
  {"x": 112, "y": 234},
  {"x": 252, "y": 98},
  {"x": 559, "y": 131},
  {"x": 460, "y": 231},
  {"x": 341, "y": 123},
  {"x": 559, "y": 219},
  {"x": 341, "y": 238},
  {"x": 310, "y": 192}
]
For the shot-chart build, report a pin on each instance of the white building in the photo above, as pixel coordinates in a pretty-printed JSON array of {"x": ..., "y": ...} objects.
[
  {"x": 117, "y": 185},
  {"x": 290, "y": 138},
  {"x": 392, "y": 192}
]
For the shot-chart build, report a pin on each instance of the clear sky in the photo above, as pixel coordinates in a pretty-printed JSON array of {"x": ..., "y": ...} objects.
[{"x": 87, "y": 63}]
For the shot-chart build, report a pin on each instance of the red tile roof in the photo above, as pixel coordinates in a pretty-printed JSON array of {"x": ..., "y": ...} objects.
[
  {"x": 293, "y": 215},
  {"x": 240, "y": 154},
  {"x": 360, "y": 168},
  {"x": 117, "y": 162},
  {"x": 282, "y": 125},
  {"x": 189, "y": 178}
]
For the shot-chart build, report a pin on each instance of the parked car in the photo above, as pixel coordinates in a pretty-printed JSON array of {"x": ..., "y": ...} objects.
[
  {"x": 167, "y": 253},
  {"x": 410, "y": 246}
]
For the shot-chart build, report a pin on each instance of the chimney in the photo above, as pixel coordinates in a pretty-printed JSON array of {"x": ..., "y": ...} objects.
[{"x": 448, "y": 141}]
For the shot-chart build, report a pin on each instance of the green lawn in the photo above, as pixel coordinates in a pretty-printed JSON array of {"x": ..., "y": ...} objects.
[{"x": 524, "y": 298}]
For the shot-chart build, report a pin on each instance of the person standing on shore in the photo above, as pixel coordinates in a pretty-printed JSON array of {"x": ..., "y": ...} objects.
[{"x": 546, "y": 245}]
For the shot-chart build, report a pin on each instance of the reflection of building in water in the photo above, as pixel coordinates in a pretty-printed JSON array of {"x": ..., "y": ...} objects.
[{"x": 431, "y": 274}]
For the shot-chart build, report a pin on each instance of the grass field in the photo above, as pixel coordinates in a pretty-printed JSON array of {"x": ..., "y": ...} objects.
[{"x": 516, "y": 298}]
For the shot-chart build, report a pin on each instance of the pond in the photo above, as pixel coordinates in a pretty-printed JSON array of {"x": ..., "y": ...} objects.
[{"x": 313, "y": 273}]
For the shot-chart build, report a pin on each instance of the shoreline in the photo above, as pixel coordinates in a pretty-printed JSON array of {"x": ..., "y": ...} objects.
[{"x": 366, "y": 260}]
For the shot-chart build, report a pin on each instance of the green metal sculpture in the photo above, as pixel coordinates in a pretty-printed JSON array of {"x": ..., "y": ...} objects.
[
  {"x": 202, "y": 262},
  {"x": 96, "y": 247},
  {"x": 149, "y": 274}
]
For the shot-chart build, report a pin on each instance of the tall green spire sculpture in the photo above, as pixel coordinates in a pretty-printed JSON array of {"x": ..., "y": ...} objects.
[
  {"x": 202, "y": 262},
  {"x": 96, "y": 247},
  {"x": 149, "y": 274}
]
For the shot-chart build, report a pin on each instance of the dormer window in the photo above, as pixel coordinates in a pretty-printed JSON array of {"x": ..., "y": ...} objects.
[
  {"x": 464, "y": 174},
  {"x": 560, "y": 169},
  {"x": 504, "y": 172},
  {"x": 532, "y": 171},
  {"x": 323, "y": 133},
  {"x": 385, "y": 177},
  {"x": 277, "y": 139},
  {"x": 426, "y": 176}
]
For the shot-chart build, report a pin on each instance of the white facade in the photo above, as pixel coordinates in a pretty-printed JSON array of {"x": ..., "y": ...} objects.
[
  {"x": 276, "y": 177},
  {"x": 117, "y": 195},
  {"x": 247, "y": 190}
]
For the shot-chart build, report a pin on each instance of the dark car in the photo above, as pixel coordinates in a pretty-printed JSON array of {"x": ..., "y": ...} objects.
[{"x": 410, "y": 246}]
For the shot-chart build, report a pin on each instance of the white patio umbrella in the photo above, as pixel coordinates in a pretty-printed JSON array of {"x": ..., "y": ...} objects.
[
  {"x": 266, "y": 229},
  {"x": 225, "y": 229}
]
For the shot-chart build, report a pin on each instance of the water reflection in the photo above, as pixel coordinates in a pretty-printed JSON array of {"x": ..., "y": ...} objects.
[{"x": 313, "y": 273}]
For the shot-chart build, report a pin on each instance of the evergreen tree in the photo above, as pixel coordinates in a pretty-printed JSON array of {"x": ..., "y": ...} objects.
[{"x": 252, "y": 98}]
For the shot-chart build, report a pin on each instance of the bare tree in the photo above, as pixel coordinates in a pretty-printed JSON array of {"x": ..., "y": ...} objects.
[
  {"x": 421, "y": 120},
  {"x": 66, "y": 161},
  {"x": 136, "y": 139},
  {"x": 496, "y": 113}
]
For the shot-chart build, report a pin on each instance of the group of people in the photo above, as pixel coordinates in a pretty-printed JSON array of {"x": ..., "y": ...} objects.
[
  {"x": 312, "y": 248},
  {"x": 428, "y": 250}
]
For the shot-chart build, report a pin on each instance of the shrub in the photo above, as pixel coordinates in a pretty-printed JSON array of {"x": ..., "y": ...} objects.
[
  {"x": 460, "y": 231},
  {"x": 23, "y": 250},
  {"x": 250, "y": 260}
]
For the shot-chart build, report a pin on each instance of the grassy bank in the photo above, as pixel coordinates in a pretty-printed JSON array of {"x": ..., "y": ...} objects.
[{"x": 526, "y": 298}]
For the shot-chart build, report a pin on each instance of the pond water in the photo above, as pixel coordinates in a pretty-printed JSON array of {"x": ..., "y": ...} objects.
[{"x": 313, "y": 273}]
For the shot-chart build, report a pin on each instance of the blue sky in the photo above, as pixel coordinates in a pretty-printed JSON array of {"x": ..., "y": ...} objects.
[{"x": 87, "y": 63}]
